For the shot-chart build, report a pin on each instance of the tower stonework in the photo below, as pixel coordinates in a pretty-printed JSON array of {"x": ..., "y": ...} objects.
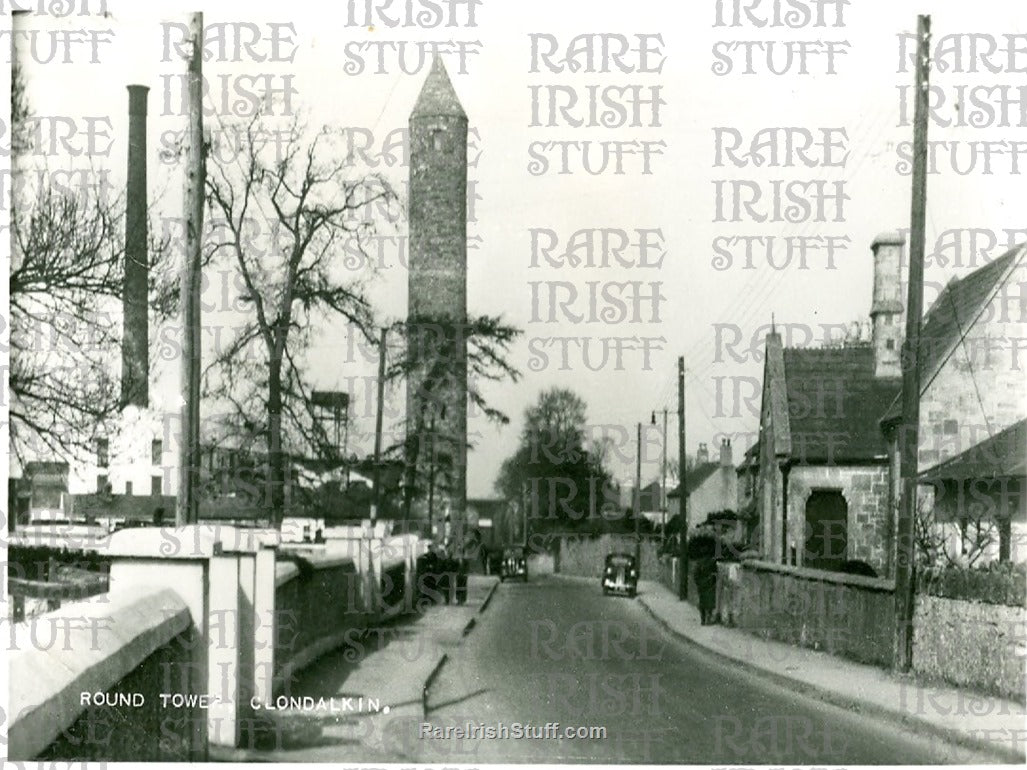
[
  {"x": 437, "y": 300},
  {"x": 886, "y": 311}
]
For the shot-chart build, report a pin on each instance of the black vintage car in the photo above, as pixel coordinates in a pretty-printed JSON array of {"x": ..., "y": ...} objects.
[
  {"x": 620, "y": 574},
  {"x": 514, "y": 565}
]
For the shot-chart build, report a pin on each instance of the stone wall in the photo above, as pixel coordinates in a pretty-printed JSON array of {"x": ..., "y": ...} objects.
[
  {"x": 316, "y": 602},
  {"x": 138, "y": 642},
  {"x": 845, "y": 615},
  {"x": 585, "y": 557},
  {"x": 971, "y": 644},
  {"x": 979, "y": 389}
]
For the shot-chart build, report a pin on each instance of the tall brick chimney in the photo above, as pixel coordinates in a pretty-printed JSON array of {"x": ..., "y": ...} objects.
[
  {"x": 886, "y": 312},
  {"x": 135, "y": 344}
]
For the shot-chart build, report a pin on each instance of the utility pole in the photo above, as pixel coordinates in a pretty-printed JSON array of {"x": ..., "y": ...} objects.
[
  {"x": 663, "y": 480},
  {"x": 431, "y": 476},
  {"x": 638, "y": 498},
  {"x": 909, "y": 428},
  {"x": 195, "y": 177},
  {"x": 682, "y": 489},
  {"x": 377, "y": 499}
]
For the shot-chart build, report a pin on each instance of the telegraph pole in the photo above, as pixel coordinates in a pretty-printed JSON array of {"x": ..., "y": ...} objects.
[
  {"x": 909, "y": 428},
  {"x": 638, "y": 498},
  {"x": 195, "y": 178},
  {"x": 683, "y": 495},
  {"x": 378, "y": 430},
  {"x": 663, "y": 480}
]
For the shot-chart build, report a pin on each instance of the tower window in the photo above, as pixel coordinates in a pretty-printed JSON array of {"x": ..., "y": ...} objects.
[
  {"x": 103, "y": 449},
  {"x": 890, "y": 344},
  {"x": 440, "y": 141},
  {"x": 156, "y": 451}
]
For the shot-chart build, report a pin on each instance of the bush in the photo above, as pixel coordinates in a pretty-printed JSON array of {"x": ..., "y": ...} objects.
[{"x": 997, "y": 583}]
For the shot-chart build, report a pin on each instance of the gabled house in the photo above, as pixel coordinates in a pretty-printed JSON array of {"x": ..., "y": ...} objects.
[
  {"x": 711, "y": 486},
  {"x": 822, "y": 490},
  {"x": 972, "y": 412}
]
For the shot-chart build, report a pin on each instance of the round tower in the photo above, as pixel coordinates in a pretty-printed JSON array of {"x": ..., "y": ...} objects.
[{"x": 437, "y": 298}]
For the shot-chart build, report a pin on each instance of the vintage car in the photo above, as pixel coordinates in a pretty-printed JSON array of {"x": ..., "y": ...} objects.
[
  {"x": 514, "y": 565},
  {"x": 620, "y": 574}
]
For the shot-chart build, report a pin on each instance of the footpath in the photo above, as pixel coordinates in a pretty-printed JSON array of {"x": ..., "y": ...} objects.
[
  {"x": 983, "y": 722},
  {"x": 393, "y": 664}
]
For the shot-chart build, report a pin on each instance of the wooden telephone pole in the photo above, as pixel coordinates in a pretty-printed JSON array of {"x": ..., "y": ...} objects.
[
  {"x": 186, "y": 510},
  {"x": 909, "y": 428},
  {"x": 682, "y": 491},
  {"x": 377, "y": 474}
]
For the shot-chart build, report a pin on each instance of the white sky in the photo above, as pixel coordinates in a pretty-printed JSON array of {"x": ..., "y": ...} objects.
[{"x": 678, "y": 197}]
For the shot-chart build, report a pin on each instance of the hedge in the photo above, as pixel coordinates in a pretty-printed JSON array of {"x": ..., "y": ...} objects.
[{"x": 997, "y": 583}]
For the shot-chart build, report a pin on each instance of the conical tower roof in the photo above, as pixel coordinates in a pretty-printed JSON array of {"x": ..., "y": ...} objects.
[{"x": 437, "y": 95}]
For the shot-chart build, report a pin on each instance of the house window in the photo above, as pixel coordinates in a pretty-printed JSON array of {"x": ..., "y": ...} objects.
[
  {"x": 156, "y": 451},
  {"x": 103, "y": 452},
  {"x": 950, "y": 427},
  {"x": 101, "y": 483},
  {"x": 156, "y": 485},
  {"x": 128, "y": 487},
  {"x": 890, "y": 344}
]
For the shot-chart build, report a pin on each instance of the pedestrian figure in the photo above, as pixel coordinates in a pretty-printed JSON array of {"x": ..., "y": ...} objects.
[{"x": 706, "y": 583}]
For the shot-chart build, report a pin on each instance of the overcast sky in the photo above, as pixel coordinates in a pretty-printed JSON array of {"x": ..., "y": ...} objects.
[{"x": 677, "y": 198}]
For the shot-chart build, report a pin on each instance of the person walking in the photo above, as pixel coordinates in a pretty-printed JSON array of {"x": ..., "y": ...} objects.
[{"x": 706, "y": 583}]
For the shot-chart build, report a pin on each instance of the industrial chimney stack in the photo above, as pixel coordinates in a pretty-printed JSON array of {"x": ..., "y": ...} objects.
[{"x": 135, "y": 345}]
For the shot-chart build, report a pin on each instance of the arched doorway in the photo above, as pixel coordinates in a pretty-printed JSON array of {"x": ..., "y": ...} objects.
[{"x": 827, "y": 530}]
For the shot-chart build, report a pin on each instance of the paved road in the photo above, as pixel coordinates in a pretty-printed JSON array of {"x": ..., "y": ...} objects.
[{"x": 556, "y": 650}]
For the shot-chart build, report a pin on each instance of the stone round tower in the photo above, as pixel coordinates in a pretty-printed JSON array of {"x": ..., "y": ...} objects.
[{"x": 437, "y": 300}]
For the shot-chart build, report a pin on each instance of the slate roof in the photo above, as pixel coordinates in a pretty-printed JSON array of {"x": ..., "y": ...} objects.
[
  {"x": 955, "y": 310},
  {"x": 437, "y": 95},
  {"x": 695, "y": 478},
  {"x": 834, "y": 402},
  {"x": 1001, "y": 456}
]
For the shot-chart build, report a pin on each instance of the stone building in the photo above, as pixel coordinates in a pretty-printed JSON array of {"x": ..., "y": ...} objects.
[
  {"x": 822, "y": 492},
  {"x": 972, "y": 412},
  {"x": 437, "y": 304}
]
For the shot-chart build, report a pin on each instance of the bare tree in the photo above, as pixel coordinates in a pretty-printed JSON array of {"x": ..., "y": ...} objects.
[
  {"x": 432, "y": 351},
  {"x": 284, "y": 213},
  {"x": 67, "y": 269}
]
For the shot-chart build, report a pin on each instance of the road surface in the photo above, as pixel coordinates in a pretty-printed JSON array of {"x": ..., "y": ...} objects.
[{"x": 555, "y": 650}]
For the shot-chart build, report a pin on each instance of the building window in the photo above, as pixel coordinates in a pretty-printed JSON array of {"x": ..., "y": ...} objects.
[
  {"x": 890, "y": 344},
  {"x": 951, "y": 427},
  {"x": 128, "y": 487},
  {"x": 103, "y": 452},
  {"x": 156, "y": 451},
  {"x": 156, "y": 485},
  {"x": 101, "y": 483},
  {"x": 438, "y": 139}
]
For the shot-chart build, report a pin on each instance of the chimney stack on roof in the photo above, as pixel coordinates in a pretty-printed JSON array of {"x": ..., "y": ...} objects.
[
  {"x": 886, "y": 312},
  {"x": 725, "y": 454},
  {"x": 703, "y": 455}
]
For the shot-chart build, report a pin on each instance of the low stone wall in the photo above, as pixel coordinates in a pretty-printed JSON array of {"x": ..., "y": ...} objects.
[
  {"x": 585, "y": 557},
  {"x": 845, "y": 615},
  {"x": 317, "y": 601},
  {"x": 103, "y": 701},
  {"x": 971, "y": 644}
]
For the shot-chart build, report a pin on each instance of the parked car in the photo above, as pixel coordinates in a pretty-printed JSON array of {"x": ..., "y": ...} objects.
[
  {"x": 515, "y": 565},
  {"x": 620, "y": 574}
]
